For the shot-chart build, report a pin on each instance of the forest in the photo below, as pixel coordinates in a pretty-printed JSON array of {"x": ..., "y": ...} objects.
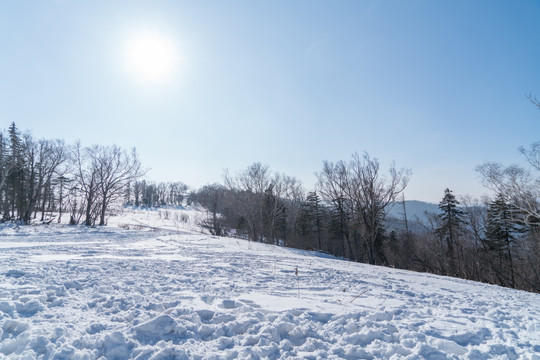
[
  {"x": 46, "y": 179},
  {"x": 493, "y": 240}
]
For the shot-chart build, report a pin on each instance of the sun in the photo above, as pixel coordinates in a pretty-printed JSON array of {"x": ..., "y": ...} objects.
[{"x": 151, "y": 57}]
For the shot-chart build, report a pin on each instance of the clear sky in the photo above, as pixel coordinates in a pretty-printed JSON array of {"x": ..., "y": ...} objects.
[{"x": 436, "y": 86}]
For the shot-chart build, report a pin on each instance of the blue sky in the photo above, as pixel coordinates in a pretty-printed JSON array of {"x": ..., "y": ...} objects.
[{"x": 436, "y": 86}]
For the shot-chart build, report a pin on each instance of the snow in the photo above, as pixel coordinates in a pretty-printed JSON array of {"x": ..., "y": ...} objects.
[{"x": 146, "y": 287}]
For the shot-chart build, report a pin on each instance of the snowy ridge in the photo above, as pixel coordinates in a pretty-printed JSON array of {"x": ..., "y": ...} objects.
[{"x": 77, "y": 293}]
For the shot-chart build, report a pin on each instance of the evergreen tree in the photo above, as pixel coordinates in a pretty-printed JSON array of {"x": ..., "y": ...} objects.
[
  {"x": 339, "y": 228},
  {"x": 501, "y": 232},
  {"x": 450, "y": 221},
  {"x": 15, "y": 181},
  {"x": 393, "y": 244},
  {"x": 315, "y": 215},
  {"x": 304, "y": 221},
  {"x": 378, "y": 243},
  {"x": 311, "y": 223},
  {"x": 4, "y": 169}
]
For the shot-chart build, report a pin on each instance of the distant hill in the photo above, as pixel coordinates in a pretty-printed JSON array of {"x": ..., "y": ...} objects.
[
  {"x": 416, "y": 214},
  {"x": 414, "y": 208}
]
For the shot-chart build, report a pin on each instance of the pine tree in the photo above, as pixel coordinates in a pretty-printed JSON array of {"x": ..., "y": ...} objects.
[
  {"x": 450, "y": 221},
  {"x": 339, "y": 228},
  {"x": 501, "y": 231},
  {"x": 315, "y": 215},
  {"x": 15, "y": 181},
  {"x": 4, "y": 171},
  {"x": 303, "y": 226},
  {"x": 378, "y": 243}
]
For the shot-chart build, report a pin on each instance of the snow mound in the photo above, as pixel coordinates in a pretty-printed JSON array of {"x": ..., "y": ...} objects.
[{"x": 160, "y": 328}]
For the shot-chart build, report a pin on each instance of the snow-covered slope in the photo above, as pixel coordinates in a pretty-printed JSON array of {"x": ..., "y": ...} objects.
[{"x": 118, "y": 293}]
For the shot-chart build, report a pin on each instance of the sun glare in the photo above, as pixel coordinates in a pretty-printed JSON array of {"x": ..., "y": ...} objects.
[{"x": 151, "y": 57}]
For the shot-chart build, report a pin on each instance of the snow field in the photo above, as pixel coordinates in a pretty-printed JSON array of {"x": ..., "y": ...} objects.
[{"x": 110, "y": 293}]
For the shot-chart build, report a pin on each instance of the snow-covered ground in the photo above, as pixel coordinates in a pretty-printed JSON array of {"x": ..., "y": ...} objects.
[{"x": 147, "y": 287}]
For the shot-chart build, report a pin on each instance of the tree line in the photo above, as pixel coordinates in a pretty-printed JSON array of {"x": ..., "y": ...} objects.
[
  {"x": 345, "y": 216},
  {"x": 494, "y": 240},
  {"x": 143, "y": 193},
  {"x": 488, "y": 240},
  {"x": 41, "y": 179}
]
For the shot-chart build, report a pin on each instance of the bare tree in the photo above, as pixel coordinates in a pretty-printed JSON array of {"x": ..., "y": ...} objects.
[
  {"x": 31, "y": 187},
  {"x": 534, "y": 100},
  {"x": 293, "y": 195},
  {"x": 274, "y": 209},
  {"x": 516, "y": 185},
  {"x": 102, "y": 172},
  {"x": 53, "y": 157},
  {"x": 211, "y": 197},
  {"x": 42, "y": 159},
  {"x": 374, "y": 194},
  {"x": 87, "y": 180},
  {"x": 362, "y": 196},
  {"x": 63, "y": 182},
  {"x": 333, "y": 185},
  {"x": 115, "y": 169},
  {"x": 248, "y": 188},
  {"x": 176, "y": 193}
]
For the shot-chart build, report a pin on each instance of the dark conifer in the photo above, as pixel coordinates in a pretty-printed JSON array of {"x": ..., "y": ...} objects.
[
  {"x": 450, "y": 221},
  {"x": 503, "y": 227}
]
